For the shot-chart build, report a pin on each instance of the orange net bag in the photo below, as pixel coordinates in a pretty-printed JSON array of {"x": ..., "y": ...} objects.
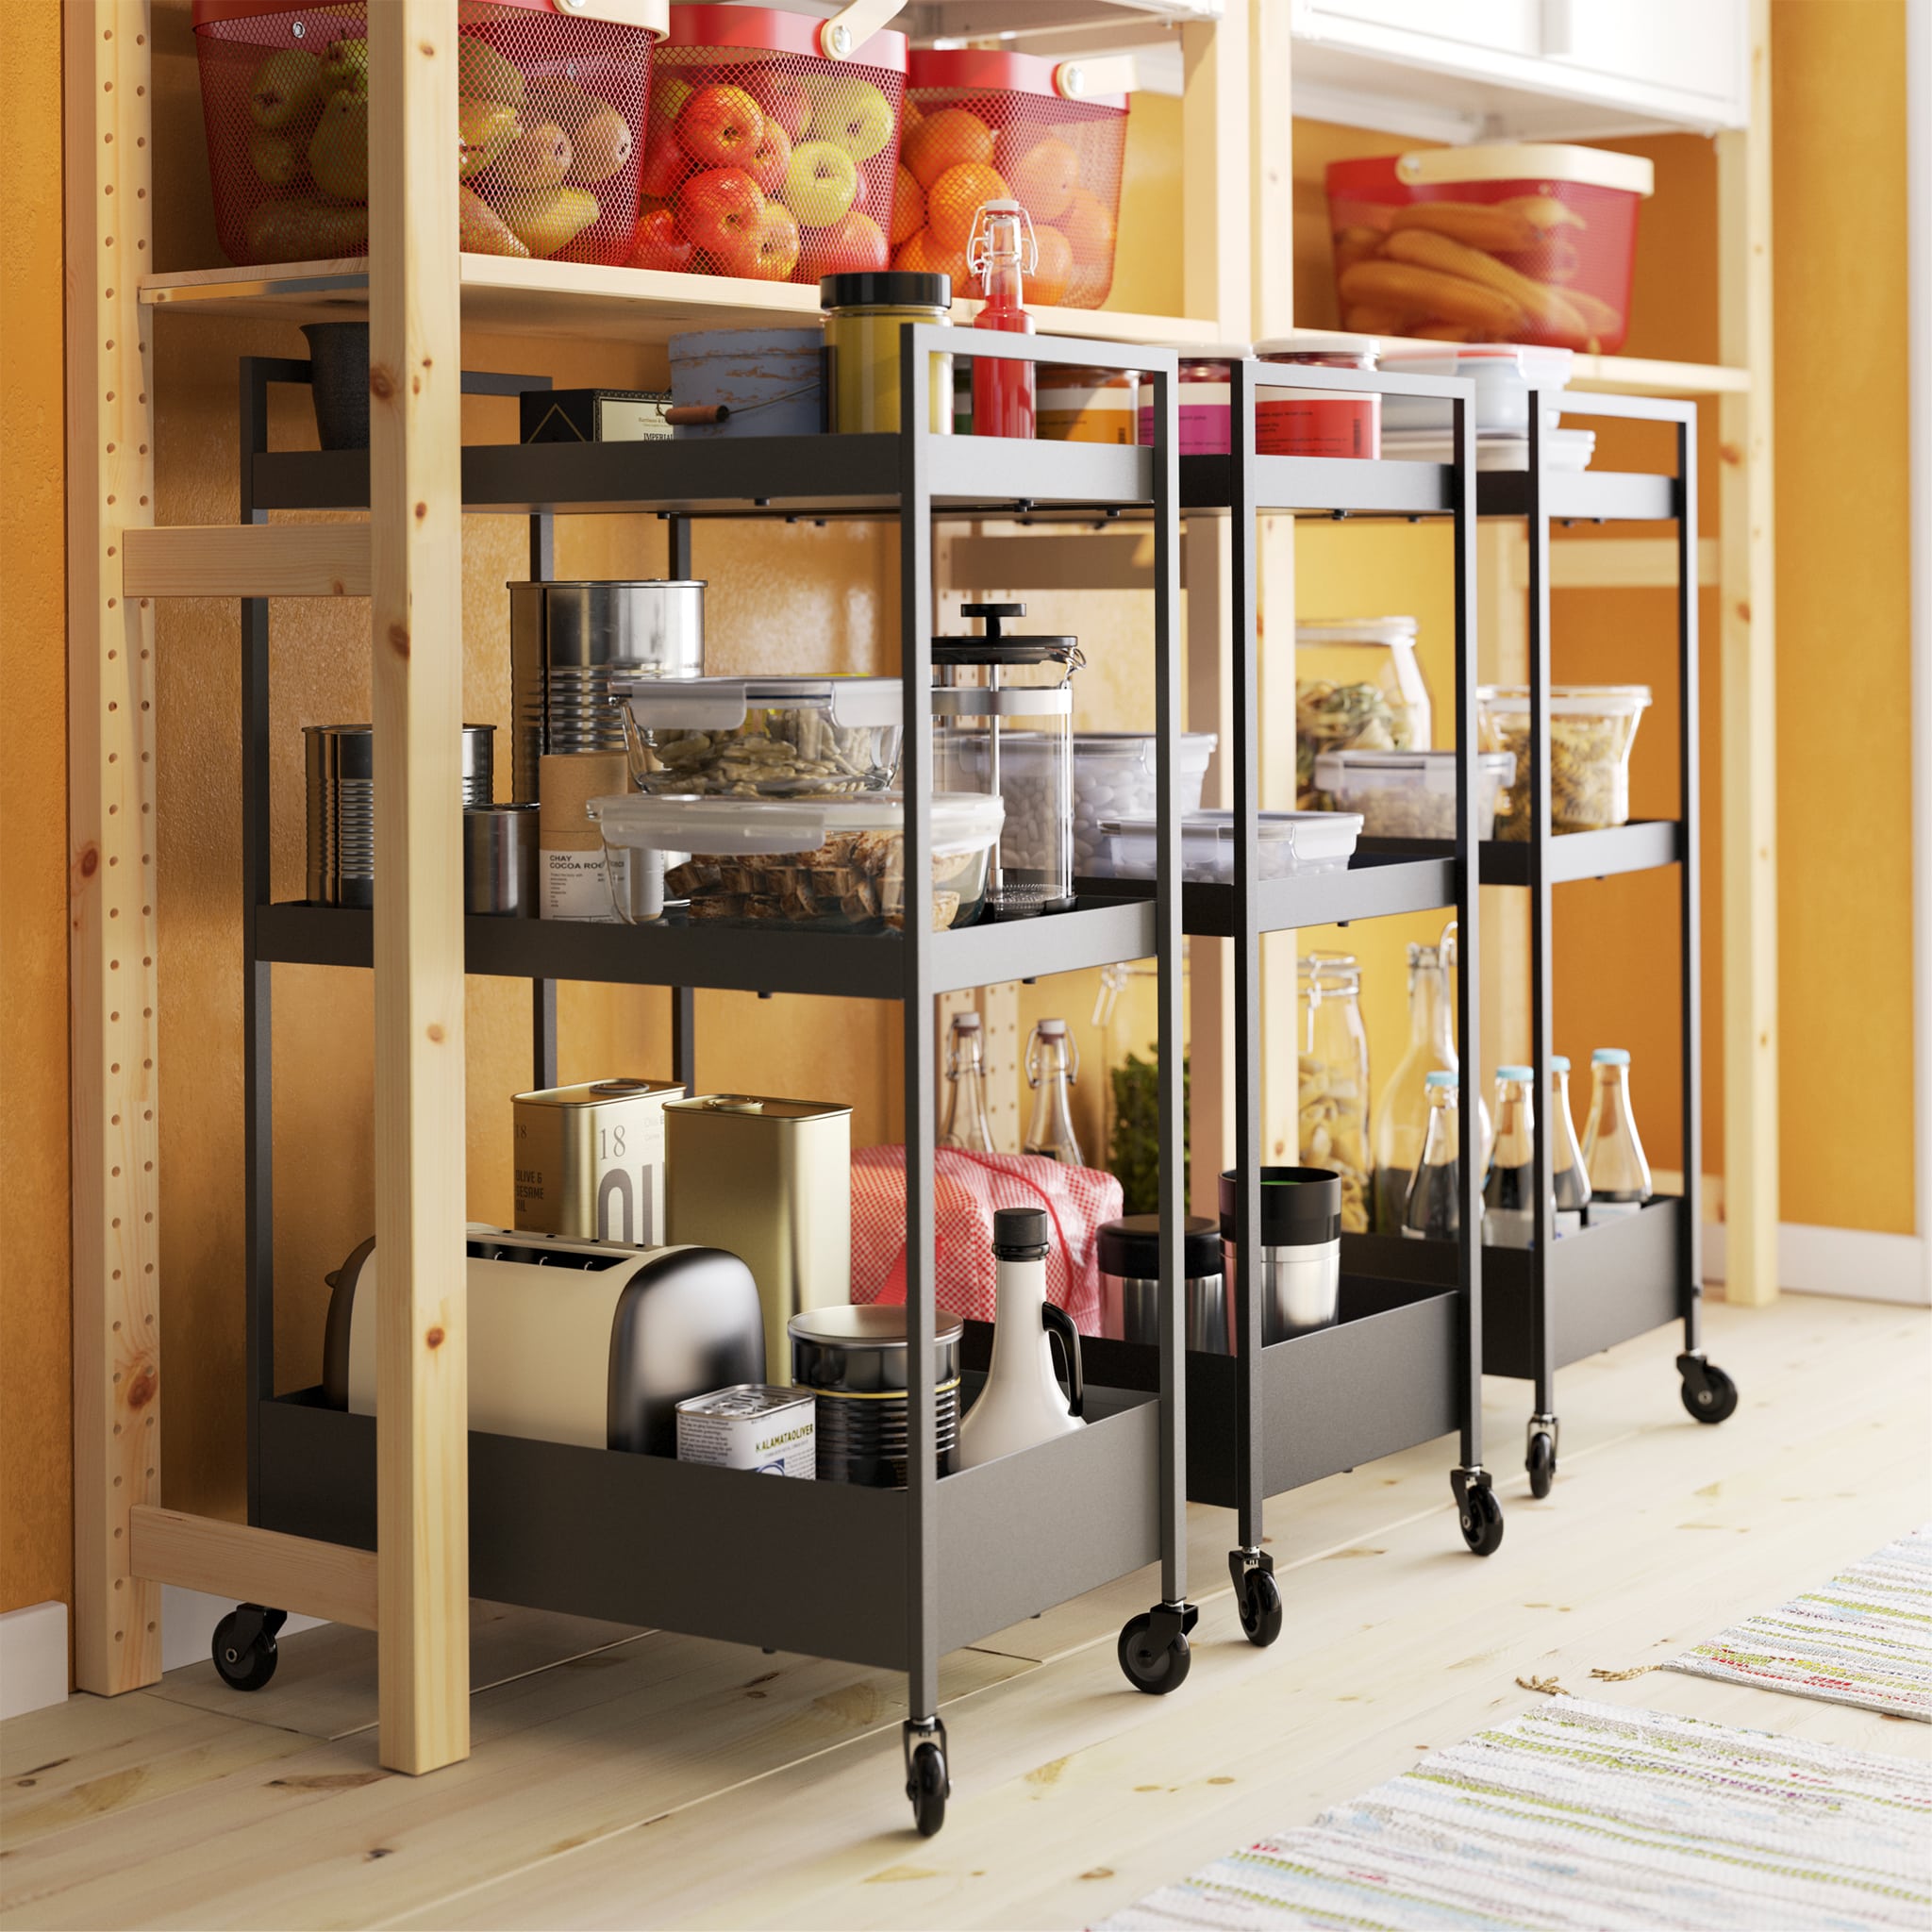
[{"x": 550, "y": 118}]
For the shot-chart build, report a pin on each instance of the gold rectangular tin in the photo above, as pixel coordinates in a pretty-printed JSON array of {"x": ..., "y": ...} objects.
[
  {"x": 770, "y": 1182},
  {"x": 590, "y": 1160}
]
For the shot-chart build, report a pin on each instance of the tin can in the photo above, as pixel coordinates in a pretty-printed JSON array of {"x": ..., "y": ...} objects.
[
  {"x": 769, "y": 1431},
  {"x": 590, "y": 1160}
]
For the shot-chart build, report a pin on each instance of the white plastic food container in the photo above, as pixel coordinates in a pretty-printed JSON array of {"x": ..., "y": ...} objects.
[
  {"x": 1114, "y": 776},
  {"x": 1565, "y": 451},
  {"x": 762, "y": 737},
  {"x": 1503, "y": 374},
  {"x": 1292, "y": 841},
  {"x": 1410, "y": 794},
  {"x": 1593, "y": 727},
  {"x": 813, "y": 862}
]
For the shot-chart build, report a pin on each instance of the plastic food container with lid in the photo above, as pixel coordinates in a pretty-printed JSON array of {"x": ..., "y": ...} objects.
[
  {"x": 1206, "y": 384},
  {"x": 770, "y": 148},
  {"x": 1358, "y": 686},
  {"x": 821, "y": 862},
  {"x": 1565, "y": 451},
  {"x": 1593, "y": 727},
  {"x": 1515, "y": 243},
  {"x": 1115, "y": 775},
  {"x": 984, "y": 124},
  {"x": 1408, "y": 794},
  {"x": 1291, "y": 843},
  {"x": 865, "y": 316},
  {"x": 1128, "y": 1252},
  {"x": 1307, "y": 423},
  {"x": 1503, "y": 374},
  {"x": 761, "y": 737},
  {"x": 550, "y": 127}
]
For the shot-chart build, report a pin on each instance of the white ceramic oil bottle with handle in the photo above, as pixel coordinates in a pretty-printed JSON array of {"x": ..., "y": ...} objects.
[{"x": 1023, "y": 1404}]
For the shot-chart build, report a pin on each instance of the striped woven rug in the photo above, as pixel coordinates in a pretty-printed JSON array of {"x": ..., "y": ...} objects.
[
  {"x": 1865, "y": 1638},
  {"x": 1584, "y": 1817}
]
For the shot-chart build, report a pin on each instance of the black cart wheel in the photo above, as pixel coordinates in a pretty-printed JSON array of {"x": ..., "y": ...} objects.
[
  {"x": 1151, "y": 1665},
  {"x": 1260, "y": 1608},
  {"x": 244, "y": 1649},
  {"x": 1709, "y": 1395},
  {"x": 1481, "y": 1517},
  {"x": 1542, "y": 1464},
  {"x": 927, "y": 1786}
]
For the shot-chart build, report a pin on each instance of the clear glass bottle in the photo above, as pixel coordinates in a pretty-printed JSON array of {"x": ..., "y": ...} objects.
[
  {"x": 968, "y": 1124},
  {"x": 1053, "y": 1064},
  {"x": 1510, "y": 1192},
  {"x": 1568, "y": 1181},
  {"x": 1612, "y": 1154},
  {"x": 1433, "y": 1210},
  {"x": 1334, "y": 1078},
  {"x": 1002, "y": 252}
]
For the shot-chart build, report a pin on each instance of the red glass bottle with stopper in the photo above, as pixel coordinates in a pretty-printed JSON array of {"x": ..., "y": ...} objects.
[{"x": 1002, "y": 252}]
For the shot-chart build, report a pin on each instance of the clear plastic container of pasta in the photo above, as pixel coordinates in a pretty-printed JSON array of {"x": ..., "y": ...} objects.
[
  {"x": 1593, "y": 727},
  {"x": 1357, "y": 687}
]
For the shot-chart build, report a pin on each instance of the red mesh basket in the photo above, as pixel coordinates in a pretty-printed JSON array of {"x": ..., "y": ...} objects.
[
  {"x": 1515, "y": 243},
  {"x": 988, "y": 126},
  {"x": 552, "y": 119},
  {"x": 765, "y": 157}
]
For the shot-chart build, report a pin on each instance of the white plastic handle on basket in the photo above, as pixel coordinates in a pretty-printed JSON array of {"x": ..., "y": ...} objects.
[
  {"x": 1079, "y": 80},
  {"x": 653, "y": 16},
  {"x": 854, "y": 24}
]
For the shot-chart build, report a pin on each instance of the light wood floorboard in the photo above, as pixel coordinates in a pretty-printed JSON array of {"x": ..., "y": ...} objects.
[{"x": 662, "y": 1780}]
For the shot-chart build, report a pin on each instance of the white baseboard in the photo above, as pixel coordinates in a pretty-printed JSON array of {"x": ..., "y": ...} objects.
[
  {"x": 33, "y": 1658},
  {"x": 187, "y": 1625},
  {"x": 1852, "y": 1262}
]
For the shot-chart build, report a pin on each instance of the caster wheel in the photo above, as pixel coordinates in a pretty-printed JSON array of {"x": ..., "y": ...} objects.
[
  {"x": 1542, "y": 1464},
  {"x": 927, "y": 1786},
  {"x": 244, "y": 1650},
  {"x": 1154, "y": 1668},
  {"x": 1709, "y": 1395},
  {"x": 1482, "y": 1521},
  {"x": 1260, "y": 1608}
]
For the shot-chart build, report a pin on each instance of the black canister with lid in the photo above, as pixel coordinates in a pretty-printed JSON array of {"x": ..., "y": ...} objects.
[
  {"x": 1128, "y": 1252},
  {"x": 1300, "y": 1245}
]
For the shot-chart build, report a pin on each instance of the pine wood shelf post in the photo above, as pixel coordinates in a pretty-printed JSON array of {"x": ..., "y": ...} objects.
[
  {"x": 416, "y": 641},
  {"x": 1746, "y": 640},
  {"x": 112, "y": 987}
]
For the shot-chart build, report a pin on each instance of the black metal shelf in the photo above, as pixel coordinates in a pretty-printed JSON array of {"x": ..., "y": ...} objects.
[
  {"x": 1375, "y": 885},
  {"x": 1323, "y": 484},
  {"x": 1643, "y": 845},
  {"x": 1584, "y": 497}
]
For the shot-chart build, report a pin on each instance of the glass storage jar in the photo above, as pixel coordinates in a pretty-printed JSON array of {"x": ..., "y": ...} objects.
[
  {"x": 865, "y": 316},
  {"x": 1204, "y": 397},
  {"x": 1333, "y": 1074},
  {"x": 978, "y": 711},
  {"x": 1357, "y": 687}
]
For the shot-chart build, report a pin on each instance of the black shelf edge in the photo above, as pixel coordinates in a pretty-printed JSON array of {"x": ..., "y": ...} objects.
[
  {"x": 1643, "y": 845},
  {"x": 1375, "y": 885},
  {"x": 741, "y": 958},
  {"x": 1616, "y": 496},
  {"x": 1325, "y": 484}
]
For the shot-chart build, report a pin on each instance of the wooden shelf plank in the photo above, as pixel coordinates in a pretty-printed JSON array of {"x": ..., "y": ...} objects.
[
  {"x": 253, "y": 1566},
  {"x": 246, "y": 561}
]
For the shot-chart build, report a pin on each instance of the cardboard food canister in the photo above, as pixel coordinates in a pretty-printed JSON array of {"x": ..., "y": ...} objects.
[
  {"x": 572, "y": 881},
  {"x": 770, "y": 1182},
  {"x": 590, "y": 1160}
]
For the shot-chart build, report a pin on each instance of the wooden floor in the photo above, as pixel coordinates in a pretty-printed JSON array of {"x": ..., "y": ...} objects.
[{"x": 630, "y": 1778}]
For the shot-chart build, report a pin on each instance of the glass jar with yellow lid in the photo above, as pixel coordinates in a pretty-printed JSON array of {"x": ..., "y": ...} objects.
[{"x": 865, "y": 315}]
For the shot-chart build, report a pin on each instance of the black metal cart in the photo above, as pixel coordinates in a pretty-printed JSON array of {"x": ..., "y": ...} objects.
[{"x": 884, "y": 1577}]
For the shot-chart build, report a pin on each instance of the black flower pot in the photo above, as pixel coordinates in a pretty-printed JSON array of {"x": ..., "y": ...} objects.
[{"x": 339, "y": 366}]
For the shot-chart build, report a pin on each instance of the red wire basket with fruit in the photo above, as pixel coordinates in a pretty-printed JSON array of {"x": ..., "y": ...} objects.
[
  {"x": 550, "y": 127},
  {"x": 769, "y": 152},
  {"x": 992, "y": 126}
]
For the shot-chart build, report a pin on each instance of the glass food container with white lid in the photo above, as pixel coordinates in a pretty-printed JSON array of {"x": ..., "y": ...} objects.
[
  {"x": 761, "y": 737},
  {"x": 1357, "y": 687},
  {"x": 992, "y": 692},
  {"x": 813, "y": 862},
  {"x": 1291, "y": 841},
  {"x": 1408, "y": 794}
]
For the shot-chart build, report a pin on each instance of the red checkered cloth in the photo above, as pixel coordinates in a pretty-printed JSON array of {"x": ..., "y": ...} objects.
[{"x": 966, "y": 1190}]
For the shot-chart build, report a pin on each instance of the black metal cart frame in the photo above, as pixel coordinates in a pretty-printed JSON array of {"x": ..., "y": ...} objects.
[{"x": 893, "y": 1579}]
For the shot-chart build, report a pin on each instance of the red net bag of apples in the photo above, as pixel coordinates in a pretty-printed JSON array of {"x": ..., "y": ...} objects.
[
  {"x": 765, "y": 156},
  {"x": 991, "y": 126}
]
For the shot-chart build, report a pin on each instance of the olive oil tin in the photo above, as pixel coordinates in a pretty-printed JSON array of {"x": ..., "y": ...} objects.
[
  {"x": 590, "y": 1160},
  {"x": 770, "y": 1182}
]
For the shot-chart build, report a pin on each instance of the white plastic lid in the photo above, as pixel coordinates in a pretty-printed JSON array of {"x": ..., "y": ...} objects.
[
  {"x": 1538, "y": 160},
  {"x": 1356, "y": 631},
  {"x": 1569, "y": 700},
  {"x": 664, "y": 821},
  {"x": 1535, "y": 364},
  {"x": 1194, "y": 747},
  {"x": 1337, "y": 770},
  {"x": 1318, "y": 346},
  {"x": 1272, "y": 826},
  {"x": 1214, "y": 352},
  {"x": 720, "y": 704}
]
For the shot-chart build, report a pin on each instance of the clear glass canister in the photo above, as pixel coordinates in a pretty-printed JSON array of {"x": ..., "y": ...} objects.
[
  {"x": 1334, "y": 1078},
  {"x": 1001, "y": 720},
  {"x": 865, "y": 315},
  {"x": 1357, "y": 687}
]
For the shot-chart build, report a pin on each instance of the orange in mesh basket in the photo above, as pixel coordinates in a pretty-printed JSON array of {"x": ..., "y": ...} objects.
[
  {"x": 989, "y": 126},
  {"x": 764, "y": 156},
  {"x": 551, "y": 122}
]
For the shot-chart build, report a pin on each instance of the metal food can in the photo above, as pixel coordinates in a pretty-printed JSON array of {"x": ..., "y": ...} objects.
[
  {"x": 769, "y": 1431},
  {"x": 590, "y": 1160}
]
